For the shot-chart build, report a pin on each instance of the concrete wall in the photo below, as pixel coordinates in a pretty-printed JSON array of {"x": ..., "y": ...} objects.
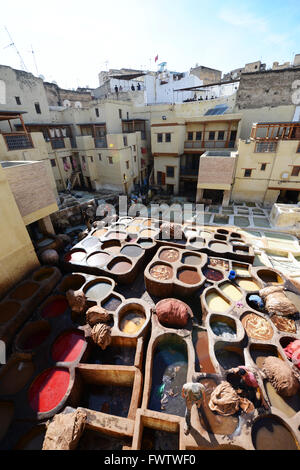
[{"x": 17, "y": 255}]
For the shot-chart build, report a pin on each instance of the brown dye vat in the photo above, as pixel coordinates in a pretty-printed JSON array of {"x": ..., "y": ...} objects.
[
  {"x": 98, "y": 259},
  {"x": 203, "y": 361},
  {"x": 257, "y": 327},
  {"x": 100, "y": 232},
  {"x": 219, "y": 247},
  {"x": 15, "y": 377},
  {"x": 268, "y": 276},
  {"x": 24, "y": 291},
  {"x": 6, "y": 417},
  {"x": 192, "y": 260},
  {"x": 43, "y": 274},
  {"x": 188, "y": 276},
  {"x": 211, "y": 421},
  {"x": 212, "y": 274},
  {"x": 33, "y": 335},
  {"x": 8, "y": 310},
  {"x": 120, "y": 267},
  {"x": 161, "y": 272},
  {"x": 284, "y": 324},
  {"x": 73, "y": 282},
  {"x": 223, "y": 264},
  {"x": 169, "y": 255},
  {"x": 259, "y": 353},
  {"x": 270, "y": 433},
  {"x": 222, "y": 231}
]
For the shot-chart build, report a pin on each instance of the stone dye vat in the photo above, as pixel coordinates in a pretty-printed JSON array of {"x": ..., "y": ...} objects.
[
  {"x": 270, "y": 433},
  {"x": 169, "y": 273},
  {"x": 49, "y": 390}
]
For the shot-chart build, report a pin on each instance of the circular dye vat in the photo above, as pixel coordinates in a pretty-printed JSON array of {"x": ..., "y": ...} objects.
[
  {"x": 248, "y": 285},
  {"x": 192, "y": 260},
  {"x": 133, "y": 228},
  {"x": 132, "y": 251},
  {"x": 68, "y": 346},
  {"x": 223, "y": 264},
  {"x": 148, "y": 223},
  {"x": 6, "y": 417},
  {"x": 90, "y": 242},
  {"x": 161, "y": 272},
  {"x": 239, "y": 269},
  {"x": 216, "y": 303},
  {"x": 33, "y": 335},
  {"x": 116, "y": 235},
  {"x": 147, "y": 233},
  {"x": 132, "y": 238},
  {"x": 8, "y": 310},
  {"x": 197, "y": 243},
  {"x": 16, "y": 376},
  {"x": 223, "y": 329},
  {"x": 284, "y": 324},
  {"x": 231, "y": 291},
  {"x": 219, "y": 247},
  {"x": 228, "y": 358},
  {"x": 257, "y": 327},
  {"x": 24, "y": 291},
  {"x": 270, "y": 434},
  {"x": 144, "y": 243},
  {"x": 98, "y": 290},
  {"x": 132, "y": 322},
  {"x": 113, "y": 249},
  {"x": 213, "y": 274},
  {"x": 43, "y": 274},
  {"x": 75, "y": 256},
  {"x": 112, "y": 303},
  {"x": 169, "y": 255},
  {"x": 74, "y": 282},
  {"x": 120, "y": 266},
  {"x": 98, "y": 259},
  {"x": 268, "y": 276},
  {"x": 55, "y": 307},
  {"x": 100, "y": 233},
  {"x": 48, "y": 389},
  {"x": 189, "y": 276}
]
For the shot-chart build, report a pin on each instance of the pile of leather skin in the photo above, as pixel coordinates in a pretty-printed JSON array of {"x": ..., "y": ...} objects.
[
  {"x": 281, "y": 376},
  {"x": 276, "y": 302},
  {"x": 172, "y": 312}
]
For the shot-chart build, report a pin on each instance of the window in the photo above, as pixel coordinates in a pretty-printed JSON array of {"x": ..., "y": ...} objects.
[
  {"x": 221, "y": 135},
  {"x": 211, "y": 135},
  {"x": 263, "y": 147},
  {"x": 127, "y": 164},
  {"x": 159, "y": 138},
  {"x": 247, "y": 173},
  {"x": 65, "y": 160},
  {"x": 83, "y": 159},
  {"x": 263, "y": 167},
  {"x": 18, "y": 101},
  {"x": 92, "y": 159},
  {"x": 170, "y": 171},
  {"x": 125, "y": 140},
  {"x": 135, "y": 158},
  {"x": 53, "y": 162},
  {"x": 37, "y": 108},
  {"x": 97, "y": 112},
  {"x": 161, "y": 178},
  {"x": 190, "y": 135},
  {"x": 110, "y": 160},
  {"x": 134, "y": 148},
  {"x": 120, "y": 113},
  {"x": 296, "y": 171},
  {"x": 198, "y": 135},
  {"x": 127, "y": 115},
  {"x": 100, "y": 158},
  {"x": 168, "y": 137}
]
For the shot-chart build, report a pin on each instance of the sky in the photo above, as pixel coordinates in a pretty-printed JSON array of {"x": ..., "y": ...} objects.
[{"x": 74, "y": 40}]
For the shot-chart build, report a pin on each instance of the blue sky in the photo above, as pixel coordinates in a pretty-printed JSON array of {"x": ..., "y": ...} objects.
[{"x": 72, "y": 40}]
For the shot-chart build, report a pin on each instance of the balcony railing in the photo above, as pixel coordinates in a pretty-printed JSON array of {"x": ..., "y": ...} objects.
[
  {"x": 18, "y": 141},
  {"x": 100, "y": 142},
  {"x": 208, "y": 144},
  {"x": 58, "y": 143}
]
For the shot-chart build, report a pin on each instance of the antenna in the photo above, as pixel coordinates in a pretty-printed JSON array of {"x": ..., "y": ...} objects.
[
  {"x": 13, "y": 44},
  {"x": 32, "y": 51}
]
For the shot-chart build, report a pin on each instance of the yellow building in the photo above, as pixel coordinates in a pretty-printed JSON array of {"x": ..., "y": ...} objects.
[{"x": 268, "y": 167}]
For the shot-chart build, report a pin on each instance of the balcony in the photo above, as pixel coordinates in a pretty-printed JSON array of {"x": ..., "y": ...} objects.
[
  {"x": 18, "y": 141},
  {"x": 208, "y": 144}
]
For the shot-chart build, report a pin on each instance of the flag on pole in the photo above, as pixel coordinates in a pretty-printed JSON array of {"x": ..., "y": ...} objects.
[{"x": 156, "y": 58}]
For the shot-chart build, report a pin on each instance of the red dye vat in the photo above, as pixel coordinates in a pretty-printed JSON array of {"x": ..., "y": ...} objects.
[
  {"x": 55, "y": 308},
  {"x": 68, "y": 346},
  {"x": 48, "y": 389}
]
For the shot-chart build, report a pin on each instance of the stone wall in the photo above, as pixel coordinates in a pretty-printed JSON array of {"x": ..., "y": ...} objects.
[{"x": 270, "y": 88}]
